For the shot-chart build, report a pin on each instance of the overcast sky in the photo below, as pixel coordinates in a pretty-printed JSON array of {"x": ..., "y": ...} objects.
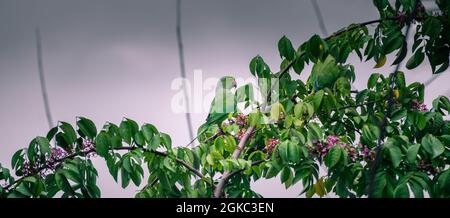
[{"x": 108, "y": 59}]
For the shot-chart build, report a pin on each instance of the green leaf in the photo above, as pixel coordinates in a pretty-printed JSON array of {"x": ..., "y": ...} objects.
[
  {"x": 155, "y": 142},
  {"x": 286, "y": 49},
  {"x": 116, "y": 141},
  {"x": 126, "y": 163},
  {"x": 315, "y": 131},
  {"x": 272, "y": 172},
  {"x": 102, "y": 144},
  {"x": 283, "y": 151},
  {"x": 259, "y": 68},
  {"x": 373, "y": 79},
  {"x": 443, "y": 182},
  {"x": 401, "y": 54},
  {"x": 63, "y": 184},
  {"x": 401, "y": 191},
  {"x": 370, "y": 132},
  {"x": 381, "y": 61},
  {"x": 286, "y": 174},
  {"x": 166, "y": 140},
  {"x": 69, "y": 131},
  {"x": 432, "y": 27},
  {"x": 125, "y": 178},
  {"x": 139, "y": 139},
  {"x": 125, "y": 130},
  {"x": 415, "y": 60},
  {"x": 276, "y": 110},
  {"x": 44, "y": 145},
  {"x": 333, "y": 156},
  {"x": 293, "y": 151},
  {"x": 315, "y": 47},
  {"x": 148, "y": 130},
  {"x": 112, "y": 167},
  {"x": 86, "y": 127},
  {"x": 395, "y": 153},
  {"x": 24, "y": 190},
  {"x": 394, "y": 42},
  {"x": 17, "y": 159},
  {"x": 412, "y": 153},
  {"x": 432, "y": 145},
  {"x": 298, "y": 65},
  {"x": 317, "y": 100},
  {"x": 343, "y": 85},
  {"x": 301, "y": 108},
  {"x": 245, "y": 93},
  {"x": 52, "y": 133}
]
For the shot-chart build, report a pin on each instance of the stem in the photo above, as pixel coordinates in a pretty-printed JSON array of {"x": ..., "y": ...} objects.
[{"x": 226, "y": 175}]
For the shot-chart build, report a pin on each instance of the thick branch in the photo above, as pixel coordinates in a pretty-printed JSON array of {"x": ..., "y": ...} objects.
[{"x": 236, "y": 153}]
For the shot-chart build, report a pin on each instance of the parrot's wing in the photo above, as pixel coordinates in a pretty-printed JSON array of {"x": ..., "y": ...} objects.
[{"x": 224, "y": 102}]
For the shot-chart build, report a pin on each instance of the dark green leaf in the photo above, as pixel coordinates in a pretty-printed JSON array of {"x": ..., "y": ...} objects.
[
  {"x": 432, "y": 145},
  {"x": 286, "y": 49},
  {"x": 87, "y": 128}
]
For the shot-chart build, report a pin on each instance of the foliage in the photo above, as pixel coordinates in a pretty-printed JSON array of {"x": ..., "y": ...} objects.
[{"x": 320, "y": 122}]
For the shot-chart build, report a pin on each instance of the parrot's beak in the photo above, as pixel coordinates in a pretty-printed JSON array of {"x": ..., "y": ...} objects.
[{"x": 234, "y": 84}]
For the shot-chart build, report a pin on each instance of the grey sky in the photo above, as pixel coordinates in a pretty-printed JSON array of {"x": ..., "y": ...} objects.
[{"x": 106, "y": 59}]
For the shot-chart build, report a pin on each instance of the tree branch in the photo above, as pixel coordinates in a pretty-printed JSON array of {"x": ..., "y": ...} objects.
[
  {"x": 71, "y": 156},
  {"x": 236, "y": 153}
]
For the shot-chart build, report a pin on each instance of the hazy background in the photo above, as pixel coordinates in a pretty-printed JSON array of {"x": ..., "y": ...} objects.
[{"x": 106, "y": 59}]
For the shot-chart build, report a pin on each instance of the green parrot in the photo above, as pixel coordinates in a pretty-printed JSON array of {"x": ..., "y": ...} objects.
[{"x": 223, "y": 103}]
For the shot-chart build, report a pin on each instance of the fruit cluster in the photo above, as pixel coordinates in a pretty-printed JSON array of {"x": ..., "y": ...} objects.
[
  {"x": 419, "y": 106},
  {"x": 271, "y": 144}
]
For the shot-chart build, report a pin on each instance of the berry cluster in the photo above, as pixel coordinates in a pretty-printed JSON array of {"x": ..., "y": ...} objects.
[
  {"x": 427, "y": 167},
  {"x": 322, "y": 148},
  {"x": 351, "y": 151},
  {"x": 241, "y": 120},
  {"x": 365, "y": 152},
  {"x": 419, "y": 106},
  {"x": 402, "y": 18},
  {"x": 46, "y": 168},
  {"x": 271, "y": 144},
  {"x": 27, "y": 168},
  {"x": 87, "y": 146}
]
